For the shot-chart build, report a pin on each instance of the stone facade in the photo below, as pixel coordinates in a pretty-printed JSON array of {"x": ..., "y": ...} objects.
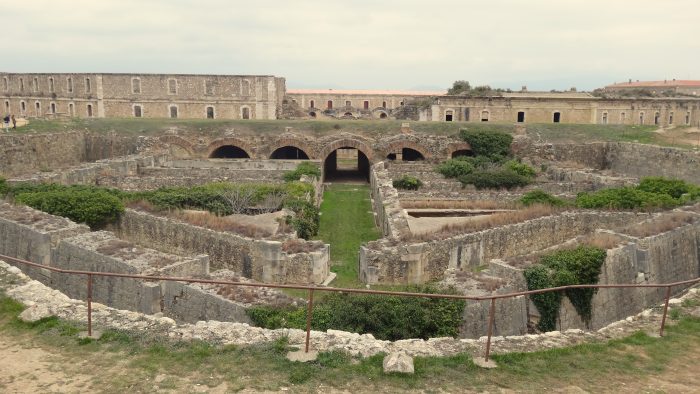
[
  {"x": 142, "y": 95},
  {"x": 567, "y": 108}
]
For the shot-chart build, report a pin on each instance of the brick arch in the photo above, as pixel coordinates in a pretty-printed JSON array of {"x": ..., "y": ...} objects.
[
  {"x": 455, "y": 146},
  {"x": 398, "y": 145},
  {"x": 180, "y": 142},
  {"x": 218, "y": 143},
  {"x": 295, "y": 142},
  {"x": 346, "y": 143}
]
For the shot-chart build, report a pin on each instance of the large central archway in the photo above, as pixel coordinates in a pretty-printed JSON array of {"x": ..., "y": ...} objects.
[{"x": 346, "y": 164}]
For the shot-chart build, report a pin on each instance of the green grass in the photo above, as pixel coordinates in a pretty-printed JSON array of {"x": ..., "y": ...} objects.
[
  {"x": 139, "y": 357},
  {"x": 346, "y": 223}
]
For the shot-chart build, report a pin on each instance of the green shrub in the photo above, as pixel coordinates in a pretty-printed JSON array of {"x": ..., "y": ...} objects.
[
  {"x": 303, "y": 168},
  {"x": 487, "y": 143},
  {"x": 92, "y": 207},
  {"x": 659, "y": 185},
  {"x": 495, "y": 179},
  {"x": 305, "y": 220},
  {"x": 520, "y": 168},
  {"x": 540, "y": 197},
  {"x": 407, "y": 182},
  {"x": 563, "y": 268},
  {"x": 454, "y": 168},
  {"x": 4, "y": 187},
  {"x": 386, "y": 317},
  {"x": 625, "y": 198}
]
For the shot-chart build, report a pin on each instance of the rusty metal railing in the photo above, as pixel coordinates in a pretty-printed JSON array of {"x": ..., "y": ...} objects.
[{"x": 311, "y": 289}]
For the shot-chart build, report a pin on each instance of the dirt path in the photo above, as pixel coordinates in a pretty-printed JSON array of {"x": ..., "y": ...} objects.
[{"x": 33, "y": 370}]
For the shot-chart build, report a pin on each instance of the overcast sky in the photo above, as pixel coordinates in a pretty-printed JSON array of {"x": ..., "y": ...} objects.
[{"x": 362, "y": 44}]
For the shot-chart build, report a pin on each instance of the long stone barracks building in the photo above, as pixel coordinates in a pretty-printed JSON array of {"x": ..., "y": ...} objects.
[
  {"x": 672, "y": 87},
  {"x": 266, "y": 97},
  {"x": 142, "y": 95}
]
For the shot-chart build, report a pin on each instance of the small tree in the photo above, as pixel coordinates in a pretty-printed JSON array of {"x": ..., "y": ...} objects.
[{"x": 239, "y": 199}]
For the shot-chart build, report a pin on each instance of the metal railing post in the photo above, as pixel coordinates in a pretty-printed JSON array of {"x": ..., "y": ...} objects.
[
  {"x": 309, "y": 312},
  {"x": 663, "y": 319},
  {"x": 492, "y": 317},
  {"x": 89, "y": 303}
]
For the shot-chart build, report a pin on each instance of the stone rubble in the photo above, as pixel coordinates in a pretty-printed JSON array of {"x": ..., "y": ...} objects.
[
  {"x": 398, "y": 362},
  {"x": 43, "y": 301}
]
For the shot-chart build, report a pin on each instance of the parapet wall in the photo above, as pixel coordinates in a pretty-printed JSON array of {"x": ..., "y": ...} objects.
[
  {"x": 261, "y": 260},
  {"x": 382, "y": 262}
]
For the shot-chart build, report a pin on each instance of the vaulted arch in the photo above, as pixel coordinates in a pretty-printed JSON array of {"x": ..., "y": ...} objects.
[
  {"x": 218, "y": 147},
  {"x": 179, "y": 147},
  {"x": 410, "y": 150},
  {"x": 297, "y": 144}
]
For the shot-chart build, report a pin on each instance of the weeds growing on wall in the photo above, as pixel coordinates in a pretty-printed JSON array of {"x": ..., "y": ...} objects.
[
  {"x": 4, "y": 188},
  {"x": 563, "y": 268},
  {"x": 303, "y": 168},
  {"x": 385, "y": 317},
  {"x": 651, "y": 193}
]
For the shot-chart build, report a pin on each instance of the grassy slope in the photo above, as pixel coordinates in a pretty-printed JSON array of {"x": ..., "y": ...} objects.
[
  {"x": 372, "y": 128},
  {"x": 346, "y": 223},
  {"x": 122, "y": 361}
]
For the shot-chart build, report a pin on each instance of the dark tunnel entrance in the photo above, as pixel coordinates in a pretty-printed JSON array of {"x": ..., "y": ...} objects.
[
  {"x": 346, "y": 165},
  {"x": 229, "y": 152},
  {"x": 289, "y": 153}
]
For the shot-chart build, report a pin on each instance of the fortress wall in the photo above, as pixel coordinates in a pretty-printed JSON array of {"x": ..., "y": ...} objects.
[
  {"x": 32, "y": 153},
  {"x": 380, "y": 262},
  {"x": 668, "y": 257},
  {"x": 640, "y": 160},
  {"x": 260, "y": 260}
]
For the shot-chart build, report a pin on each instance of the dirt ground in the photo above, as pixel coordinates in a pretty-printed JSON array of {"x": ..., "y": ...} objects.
[
  {"x": 686, "y": 135},
  {"x": 30, "y": 369}
]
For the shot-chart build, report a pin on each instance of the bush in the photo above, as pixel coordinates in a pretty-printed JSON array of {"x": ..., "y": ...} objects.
[
  {"x": 407, "y": 182},
  {"x": 454, "y": 168},
  {"x": 305, "y": 220},
  {"x": 495, "y": 179},
  {"x": 386, "y": 317},
  {"x": 563, "y": 268},
  {"x": 542, "y": 198},
  {"x": 303, "y": 168},
  {"x": 625, "y": 198},
  {"x": 486, "y": 143},
  {"x": 659, "y": 185},
  {"x": 92, "y": 207},
  {"x": 520, "y": 168}
]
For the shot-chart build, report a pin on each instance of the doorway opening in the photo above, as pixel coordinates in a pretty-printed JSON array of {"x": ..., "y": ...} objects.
[{"x": 346, "y": 165}]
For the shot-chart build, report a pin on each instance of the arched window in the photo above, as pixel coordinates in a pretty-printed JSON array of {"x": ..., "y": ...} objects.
[
  {"x": 312, "y": 104},
  {"x": 37, "y": 106},
  {"x": 330, "y": 104},
  {"x": 245, "y": 113},
  {"x": 245, "y": 87},
  {"x": 641, "y": 118},
  {"x": 556, "y": 117},
  {"x": 521, "y": 116},
  {"x": 623, "y": 117},
  {"x": 51, "y": 86},
  {"x": 383, "y": 104},
  {"x": 5, "y": 84},
  {"x": 172, "y": 86},
  {"x": 173, "y": 111},
  {"x": 138, "y": 111},
  {"x": 656, "y": 118},
  {"x": 484, "y": 116},
  {"x": 210, "y": 112},
  {"x": 365, "y": 104},
  {"x": 604, "y": 118},
  {"x": 69, "y": 84},
  {"x": 88, "y": 85},
  {"x": 21, "y": 84},
  {"x": 670, "y": 118},
  {"x": 89, "y": 110},
  {"x": 71, "y": 110},
  {"x": 448, "y": 115},
  {"x": 53, "y": 108},
  {"x": 22, "y": 107}
]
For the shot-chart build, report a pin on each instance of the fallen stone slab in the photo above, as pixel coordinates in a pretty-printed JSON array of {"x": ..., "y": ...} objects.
[
  {"x": 35, "y": 313},
  {"x": 398, "y": 362}
]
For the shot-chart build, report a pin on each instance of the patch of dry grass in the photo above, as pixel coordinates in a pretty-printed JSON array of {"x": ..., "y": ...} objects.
[
  {"x": 458, "y": 204},
  {"x": 660, "y": 224},
  {"x": 483, "y": 223},
  {"x": 602, "y": 240},
  {"x": 113, "y": 247},
  {"x": 219, "y": 223},
  {"x": 300, "y": 246}
]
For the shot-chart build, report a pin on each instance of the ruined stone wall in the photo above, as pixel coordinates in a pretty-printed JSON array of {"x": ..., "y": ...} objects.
[
  {"x": 381, "y": 262},
  {"x": 30, "y": 153},
  {"x": 388, "y": 214},
  {"x": 640, "y": 160},
  {"x": 668, "y": 257},
  {"x": 262, "y": 260}
]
